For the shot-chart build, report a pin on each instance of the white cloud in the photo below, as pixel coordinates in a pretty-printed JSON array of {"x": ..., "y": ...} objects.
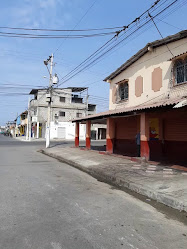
[{"x": 40, "y": 13}]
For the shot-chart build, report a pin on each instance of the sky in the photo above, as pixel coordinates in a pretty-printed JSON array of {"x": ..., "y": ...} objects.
[{"x": 22, "y": 59}]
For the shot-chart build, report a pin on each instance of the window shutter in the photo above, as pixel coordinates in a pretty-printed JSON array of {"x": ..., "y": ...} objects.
[
  {"x": 114, "y": 94},
  {"x": 117, "y": 93}
]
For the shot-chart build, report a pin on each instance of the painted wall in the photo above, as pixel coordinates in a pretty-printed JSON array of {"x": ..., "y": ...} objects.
[
  {"x": 69, "y": 130},
  {"x": 40, "y": 106},
  {"x": 158, "y": 58},
  {"x": 171, "y": 143},
  {"x": 125, "y": 133},
  {"x": 18, "y": 121}
]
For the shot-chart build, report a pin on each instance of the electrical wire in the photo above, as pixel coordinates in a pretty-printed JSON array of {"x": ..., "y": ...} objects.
[
  {"x": 60, "y": 30},
  {"x": 137, "y": 35},
  {"x": 106, "y": 44},
  {"x": 87, "y": 65},
  {"x": 77, "y": 24},
  {"x": 160, "y": 34},
  {"x": 34, "y": 36},
  {"x": 169, "y": 24}
]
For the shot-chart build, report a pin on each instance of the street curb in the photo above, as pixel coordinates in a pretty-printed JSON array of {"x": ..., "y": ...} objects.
[{"x": 123, "y": 184}]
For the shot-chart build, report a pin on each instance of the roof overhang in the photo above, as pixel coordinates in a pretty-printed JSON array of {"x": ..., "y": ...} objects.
[
  {"x": 129, "y": 111},
  {"x": 180, "y": 56}
]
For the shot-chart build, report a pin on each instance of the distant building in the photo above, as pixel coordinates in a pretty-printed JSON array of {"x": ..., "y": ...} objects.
[
  {"x": 10, "y": 126},
  {"x": 67, "y": 104}
]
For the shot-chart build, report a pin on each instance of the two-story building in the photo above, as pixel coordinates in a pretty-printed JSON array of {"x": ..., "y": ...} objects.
[
  {"x": 21, "y": 124},
  {"x": 148, "y": 98},
  {"x": 67, "y": 104}
]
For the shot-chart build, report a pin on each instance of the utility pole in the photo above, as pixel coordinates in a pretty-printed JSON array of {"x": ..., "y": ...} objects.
[
  {"x": 87, "y": 96},
  {"x": 28, "y": 135},
  {"x": 49, "y": 98}
]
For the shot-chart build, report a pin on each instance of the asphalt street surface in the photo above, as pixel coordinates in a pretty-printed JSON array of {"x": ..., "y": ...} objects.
[{"x": 46, "y": 204}]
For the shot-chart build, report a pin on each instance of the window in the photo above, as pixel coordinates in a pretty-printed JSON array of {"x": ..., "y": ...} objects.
[
  {"x": 123, "y": 91},
  {"x": 78, "y": 114},
  {"x": 62, "y": 99},
  {"x": 76, "y": 100},
  {"x": 62, "y": 114},
  {"x": 180, "y": 71},
  {"x": 91, "y": 107}
]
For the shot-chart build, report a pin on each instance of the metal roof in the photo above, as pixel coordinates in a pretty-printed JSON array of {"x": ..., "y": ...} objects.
[
  {"x": 177, "y": 56},
  {"x": 77, "y": 89},
  {"x": 141, "y": 52},
  {"x": 34, "y": 91},
  {"x": 161, "y": 103},
  {"x": 74, "y": 89}
]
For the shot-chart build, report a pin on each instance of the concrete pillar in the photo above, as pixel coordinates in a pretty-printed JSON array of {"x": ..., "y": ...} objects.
[
  {"x": 37, "y": 130},
  {"x": 110, "y": 135},
  {"x": 88, "y": 134},
  {"x": 144, "y": 131},
  {"x": 76, "y": 134}
]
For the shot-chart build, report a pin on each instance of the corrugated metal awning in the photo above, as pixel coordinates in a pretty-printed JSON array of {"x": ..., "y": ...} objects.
[{"x": 161, "y": 103}]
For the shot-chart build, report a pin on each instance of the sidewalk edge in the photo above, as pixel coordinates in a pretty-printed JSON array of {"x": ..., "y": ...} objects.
[{"x": 123, "y": 184}]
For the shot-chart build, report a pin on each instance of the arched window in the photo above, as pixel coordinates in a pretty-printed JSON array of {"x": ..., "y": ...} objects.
[{"x": 180, "y": 71}]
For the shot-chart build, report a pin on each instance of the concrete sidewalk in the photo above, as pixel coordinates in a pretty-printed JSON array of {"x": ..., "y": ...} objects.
[{"x": 160, "y": 183}]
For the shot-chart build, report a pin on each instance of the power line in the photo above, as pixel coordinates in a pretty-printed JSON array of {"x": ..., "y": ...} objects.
[
  {"x": 160, "y": 33},
  {"x": 77, "y": 24},
  {"x": 60, "y": 30},
  {"x": 169, "y": 24},
  {"x": 46, "y": 36},
  {"x": 96, "y": 53},
  {"x": 179, "y": 5},
  {"x": 14, "y": 84},
  {"x": 138, "y": 63}
]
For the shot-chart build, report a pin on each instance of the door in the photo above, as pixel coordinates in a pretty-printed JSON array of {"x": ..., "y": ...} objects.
[{"x": 62, "y": 132}]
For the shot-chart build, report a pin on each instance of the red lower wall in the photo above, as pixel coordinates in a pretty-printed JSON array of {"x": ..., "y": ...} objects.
[
  {"x": 76, "y": 141},
  {"x": 88, "y": 143},
  {"x": 175, "y": 152},
  {"x": 145, "y": 150},
  {"x": 110, "y": 145},
  {"x": 126, "y": 147},
  {"x": 156, "y": 150}
]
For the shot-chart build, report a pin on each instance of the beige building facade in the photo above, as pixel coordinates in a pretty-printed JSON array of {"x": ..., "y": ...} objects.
[{"x": 147, "y": 114}]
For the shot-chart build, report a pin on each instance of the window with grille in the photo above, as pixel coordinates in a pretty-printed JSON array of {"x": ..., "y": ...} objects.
[
  {"x": 62, "y": 114},
  {"x": 78, "y": 114},
  {"x": 123, "y": 91},
  {"x": 180, "y": 70},
  {"x": 62, "y": 99}
]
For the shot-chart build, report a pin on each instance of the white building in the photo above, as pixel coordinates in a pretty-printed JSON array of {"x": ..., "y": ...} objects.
[{"x": 67, "y": 104}]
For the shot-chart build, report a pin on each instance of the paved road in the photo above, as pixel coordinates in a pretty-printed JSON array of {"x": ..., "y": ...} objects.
[{"x": 45, "y": 204}]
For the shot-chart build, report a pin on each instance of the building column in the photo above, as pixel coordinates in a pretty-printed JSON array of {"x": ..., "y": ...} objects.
[
  {"x": 110, "y": 135},
  {"x": 88, "y": 134},
  {"x": 144, "y": 131},
  {"x": 76, "y": 134},
  {"x": 37, "y": 130}
]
